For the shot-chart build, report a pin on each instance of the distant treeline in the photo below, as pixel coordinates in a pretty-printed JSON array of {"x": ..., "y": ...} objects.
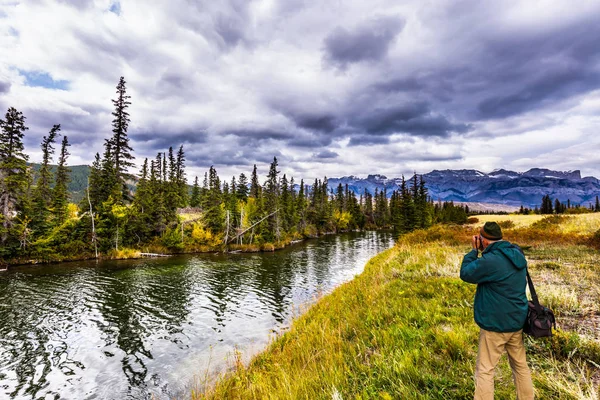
[
  {"x": 548, "y": 206},
  {"x": 38, "y": 221}
]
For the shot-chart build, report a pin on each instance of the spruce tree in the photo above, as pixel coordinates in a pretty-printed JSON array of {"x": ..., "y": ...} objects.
[
  {"x": 271, "y": 199},
  {"x": 13, "y": 168},
  {"x": 301, "y": 207},
  {"x": 42, "y": 197},
  {"x": 423, "y": 204},
  {"x": 95, "y": 184},
  {"x": 60, "y": 194},
  {"x": 195, "y": 199},
  {"x": 254, "y": 184},
  {"x": 242, "y": 187},
  {"x": 119, "y": 143},
  {"x": 213, "y": 212},
  {"x": 182, "y": 187},
  {"x": 285, "y": 204},
  {"x": 557, "y": 206}
]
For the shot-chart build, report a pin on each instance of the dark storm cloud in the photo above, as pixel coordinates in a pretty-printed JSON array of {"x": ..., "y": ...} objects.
[
  {"x": 368, "y": 42},
  {"x": 550, "y": 87},
  {"x": 220, "y": 155},
  {"x": 4, "y": 87},
  {"x": 160, "y": 141},
  {"x": 404, "y": 84},
  {"x": 85, "y": 127},
  {"x": 413, "y": 118},
  {"x": 310, "y": 140},
  {"x": 361, "y": 140},
  {"x": 259, "y": 134},
  {"x": 540, "y": 68},
  {"x": 317, "y": 122},
  {"x": 225, "y": 23},
  {"x": 326, "y": 154},
  {"x": 230, "y": 28}
]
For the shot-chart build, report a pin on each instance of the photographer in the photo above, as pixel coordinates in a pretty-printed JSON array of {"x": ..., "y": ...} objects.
[{"x": 500, "y": 308}]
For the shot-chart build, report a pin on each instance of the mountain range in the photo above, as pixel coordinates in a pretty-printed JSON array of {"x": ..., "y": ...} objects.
[
  {"x": 502, "y": 187},
  {"x": 497, "y": 187}
]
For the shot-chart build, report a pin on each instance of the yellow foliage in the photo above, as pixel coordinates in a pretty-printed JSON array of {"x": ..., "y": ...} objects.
[
  {"x": 202, "y": 236},
  {"x": 119, "y": 211},
  {"x": 72, "y": 210},
  {"x": 342, "y": 219}
]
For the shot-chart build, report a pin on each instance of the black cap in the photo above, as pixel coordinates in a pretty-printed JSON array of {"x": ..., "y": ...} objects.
[{"x": 491, "y": 231}]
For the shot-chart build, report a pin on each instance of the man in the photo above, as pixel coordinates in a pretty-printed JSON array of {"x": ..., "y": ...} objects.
[{"x": 500, "y": 308}]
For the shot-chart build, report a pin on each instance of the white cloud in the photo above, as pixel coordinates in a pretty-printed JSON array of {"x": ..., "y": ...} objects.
[{"x": 238, "y": 82}]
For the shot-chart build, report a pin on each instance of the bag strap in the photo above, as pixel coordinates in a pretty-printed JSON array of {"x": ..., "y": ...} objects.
[{"x": 534, "y": 298}]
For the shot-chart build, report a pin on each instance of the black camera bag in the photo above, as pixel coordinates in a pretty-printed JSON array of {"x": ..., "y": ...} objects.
[{"x": 540, "y": 319}]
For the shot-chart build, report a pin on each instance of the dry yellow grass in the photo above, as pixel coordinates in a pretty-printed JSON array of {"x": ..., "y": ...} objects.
[
  {"x": 404, "y": 328},
  {"x": 576, "y": 223},
  {"x": 520, "y": 221}
]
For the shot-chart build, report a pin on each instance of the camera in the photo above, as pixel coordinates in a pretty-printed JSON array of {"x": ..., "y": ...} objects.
[{"x": 479, "y": 243}]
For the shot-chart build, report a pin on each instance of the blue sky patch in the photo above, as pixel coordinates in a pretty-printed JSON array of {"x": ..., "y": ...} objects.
[
  {"x": 43, "y": 79},
  {"x": 115, "y": 8}
]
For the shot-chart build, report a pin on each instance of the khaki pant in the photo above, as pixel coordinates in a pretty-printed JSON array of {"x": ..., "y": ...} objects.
[{"x": 491, "y": 348}]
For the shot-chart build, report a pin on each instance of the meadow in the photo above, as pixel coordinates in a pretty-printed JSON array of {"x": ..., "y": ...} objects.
[{"x": 404, "y": 328}]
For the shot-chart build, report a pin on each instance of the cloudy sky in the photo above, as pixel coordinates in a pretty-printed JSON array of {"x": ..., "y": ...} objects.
[{"x": 329, "y": 87}]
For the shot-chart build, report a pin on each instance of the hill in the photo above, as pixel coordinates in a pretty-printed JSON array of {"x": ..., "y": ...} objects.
[{"x": 78, "y": 183}]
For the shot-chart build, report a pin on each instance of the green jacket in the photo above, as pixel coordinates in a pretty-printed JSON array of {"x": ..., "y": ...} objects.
[{"x": 501, "y": 277}]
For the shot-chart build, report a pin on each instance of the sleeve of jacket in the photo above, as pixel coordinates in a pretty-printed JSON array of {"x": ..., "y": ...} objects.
[{"x": 476, "y": 270}]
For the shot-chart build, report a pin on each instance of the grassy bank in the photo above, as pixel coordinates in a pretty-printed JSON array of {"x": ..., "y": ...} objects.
[{"x": 404, "y": 328}]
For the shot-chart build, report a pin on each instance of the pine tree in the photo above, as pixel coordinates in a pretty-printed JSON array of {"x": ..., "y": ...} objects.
[
  {"x": 242, "y": 187},
  {"x": 557, "y": 206},
  {"x": 42, "y": 193},
  {"x": 60, "y": 194},
  {"x": 13, "y": 168},
  {"x": 285, "y": 204},
  {"x": 213, "y": 212},
  {"x": 408, "y": 208},
  {"x": 182, "y": 187},
  {"x": 414, "y": 189},
  {"x": 301, "y": 207},
  {"x": 368, "y": 208},
  {"x": 271, "y": 198},
  {"x": 423, "y": 204},
  {"x": 339, "y": 197},
  {"x": 254, "y": 184},
  {"x": 119, "y": 143},
  {"x": 95, "y": 184},
  {"x": 195, "y": 199}
]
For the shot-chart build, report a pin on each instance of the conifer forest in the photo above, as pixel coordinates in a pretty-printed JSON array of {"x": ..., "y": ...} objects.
[{"x": 161, "y": 210}]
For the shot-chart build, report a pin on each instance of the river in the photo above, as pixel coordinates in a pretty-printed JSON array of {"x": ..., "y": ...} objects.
[{"x": 156, "y": 328}]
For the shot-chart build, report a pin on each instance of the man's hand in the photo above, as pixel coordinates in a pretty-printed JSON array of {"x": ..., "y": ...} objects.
[{"x": 474, "y": 242}]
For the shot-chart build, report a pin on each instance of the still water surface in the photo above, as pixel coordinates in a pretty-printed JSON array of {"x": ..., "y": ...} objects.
[{"x": 144, "y": 329}]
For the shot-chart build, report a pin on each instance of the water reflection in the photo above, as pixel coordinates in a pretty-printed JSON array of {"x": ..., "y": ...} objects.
[{"x": 142, "y": 329}]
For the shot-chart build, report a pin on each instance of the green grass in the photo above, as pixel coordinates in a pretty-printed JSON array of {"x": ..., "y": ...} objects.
[{"x": 404, "y": 329}]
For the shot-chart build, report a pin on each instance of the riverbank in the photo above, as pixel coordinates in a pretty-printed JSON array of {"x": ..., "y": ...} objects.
[
  {"x": 156, "y": 248},
  {"x": 404, "y": 328}
]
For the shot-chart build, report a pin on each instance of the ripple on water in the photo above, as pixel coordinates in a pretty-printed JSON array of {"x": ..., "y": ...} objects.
[{"x": 137, "y": 329}]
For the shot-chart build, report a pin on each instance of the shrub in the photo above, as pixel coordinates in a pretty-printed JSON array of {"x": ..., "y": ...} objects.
[
  {"x": 122, "y": 254},
  {"x": 550, "y": 222},
  {"x": 508, "y": 224},
  {"x": 172, "y": 240},
  {"x": 268, "y": 247},
  {"x": 472, "y": 220}
]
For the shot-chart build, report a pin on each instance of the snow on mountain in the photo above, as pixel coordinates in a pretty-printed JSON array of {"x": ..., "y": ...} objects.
[{"x": 499, "y": 186}]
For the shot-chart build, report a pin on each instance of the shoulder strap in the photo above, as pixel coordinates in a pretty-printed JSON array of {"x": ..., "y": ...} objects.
[{"x": 534, "y": 298}]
